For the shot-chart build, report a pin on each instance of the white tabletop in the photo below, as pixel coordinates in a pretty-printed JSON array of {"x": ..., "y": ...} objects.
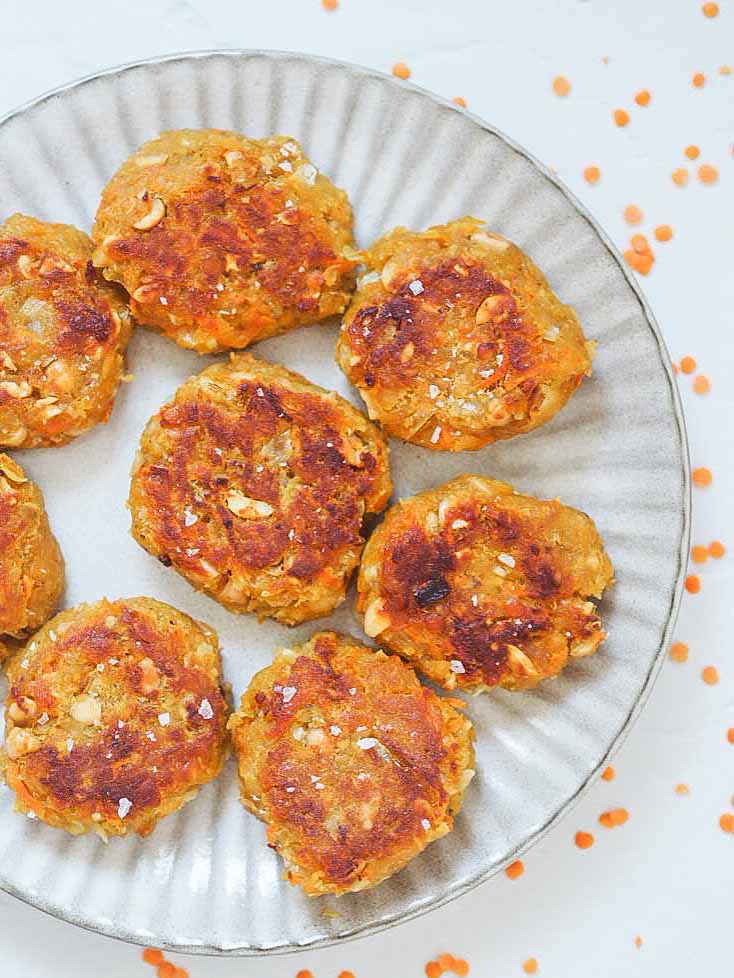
[{"x": 667, "y": 874}]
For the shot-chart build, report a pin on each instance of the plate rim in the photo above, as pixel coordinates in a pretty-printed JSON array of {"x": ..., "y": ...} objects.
[{"x": 395, "y": 919}]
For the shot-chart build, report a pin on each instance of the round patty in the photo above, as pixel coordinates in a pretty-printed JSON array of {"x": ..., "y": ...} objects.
[
  {"x": 354, "y": 766},
  {"x": 31, "y": 565},
  {"x": 479, "y": 586},
  {"x": 115, "y": 717},
  {"x": 254, "y": 484},
  {"x": 63, "y": 333},
  {"x": 222, "y": 240},
  {"x": 455, "y": 339}
]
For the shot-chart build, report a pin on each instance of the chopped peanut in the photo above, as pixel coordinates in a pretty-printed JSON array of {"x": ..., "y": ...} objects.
[
  {"x": 710, "y": 675},
  {"x": 515, "y": 870}
]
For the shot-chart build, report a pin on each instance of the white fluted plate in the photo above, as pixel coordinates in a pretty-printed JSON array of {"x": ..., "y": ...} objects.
[{"x": 205, "y": 880}]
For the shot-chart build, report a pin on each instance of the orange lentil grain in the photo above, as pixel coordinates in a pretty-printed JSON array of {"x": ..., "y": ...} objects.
[
  {"x": 699, "y": 80},
  {"x": 676, "y": 368},
  {"x": 699, "y": 554},
  {"x": 692, "y": 152},
  {"x": 638, "y": 942},
  {"x": 613, "y": 818},
  {"x": 329, "y": 4},
  {"x": 401, "y": 70},
  {"x": 680, "y": 176},
  {"x": 180, "y": 973},
  {"x": 346, "y": 974},
  {"x": 727, "y": 822},
  {"x": 693, "y": 584},
  {"x": 702, "y": 477},
  {"x": 725, "y": 70},
  {"x": 717, "y": 549},
  {"x": 461, "y": 967},
  {"x": 460, "y": 101},
  {"x": 304, "y": 973},
  {"x": 433, "y": 970},
  {"x": 446, "y": 962},
  {"x": 166, "y": 970},
  {"x": 608, "y": 774},
  {"x": 679, "y": 651},
  {"x": 663, "y": 232},
  {"x": 621, "y": 117},
  {"x": 632, "y": 214},
  {"x": 640, "y": 244},
  {"x": 687, "y": 365},
  {"x": 530, "y": 967},
  {"x": 515, "y": 870},
  {"x": 643, "y": 97},
  {"x": 584, "y": 840},
  {"x": 701, "y": 384},
  {"x": 561, "y": 85},
  {"x": 641, "y": 263},
  {"x": 592, "y": 174},
  {"x": 710, "y": 675},
  {"x": 682, "y": 789},
  {"x": 730, "y": 735},
  {"x": 710, "y": 9},
  {"x": 708, "y": 173},
  {"x": 151, "y": 955}
]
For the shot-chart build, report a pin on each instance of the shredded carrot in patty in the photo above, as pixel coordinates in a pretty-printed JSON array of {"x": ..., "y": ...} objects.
[
  {"x": 608, "y": 774},
  {"x": 699, "y": 554},
  {"x": 693, "y": 584},
  {"x": 702, "y": 477},
  {"x": 701, "y": 384},
  {"x": 561, "y": 85},
  {"x": 592, "y": 174},
  {"x": 515, "y": 870},
  {"x": 663, "y": 232},
  {"x": 710, "y": 675},
  {"x": 717, "y": 549},
  {"x": 680, "y": 177},
  {"x": 401, "y": 70},
  {"x": 727, "y": 822},
  {"x": 584, "y": 840},
  {"x": 679, "y": 652},
  {"x": 708, "y": 173},
  {"x": 643, "y": 97},
  {"x": 530, "y": 967},
  {"x": 632, "y": 214},
  {"x": 621, "y": 117},
  {"x": 699, "y": 80}
]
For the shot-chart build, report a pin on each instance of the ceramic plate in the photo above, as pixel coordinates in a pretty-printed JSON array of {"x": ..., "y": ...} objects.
[{"x": 205, "y": 880}]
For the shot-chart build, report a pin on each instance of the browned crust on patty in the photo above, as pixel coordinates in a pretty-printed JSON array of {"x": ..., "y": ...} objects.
[
  {"x": 115, "y": 717},
  {"x": 455, "y": 340},
  {"x": 247, "y": 238},
  {"x": 63, "y": 333},
  {"x": 480, "y": 586},
  {"x": 353, "y": 764},
  {"x": 254, "y": 483},
  {"x": 31, "y": 565}
]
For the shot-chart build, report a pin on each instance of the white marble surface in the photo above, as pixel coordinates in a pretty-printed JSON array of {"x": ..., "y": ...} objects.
[{"x": 667, "y": 874}]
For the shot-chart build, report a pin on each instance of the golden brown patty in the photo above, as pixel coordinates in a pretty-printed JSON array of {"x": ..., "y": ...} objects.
[
  {"x": 254, "y": 484},
  {"x": 353, "y": 764},
  {"x": 31, "y": 565},
  {"x": 455, "y": 339},
  {"x": 63, "y": 333},
  {"x": 222, "y": 240},
  {"x": 480, "y": 586},
  {"x": 115, "y": 717}
]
